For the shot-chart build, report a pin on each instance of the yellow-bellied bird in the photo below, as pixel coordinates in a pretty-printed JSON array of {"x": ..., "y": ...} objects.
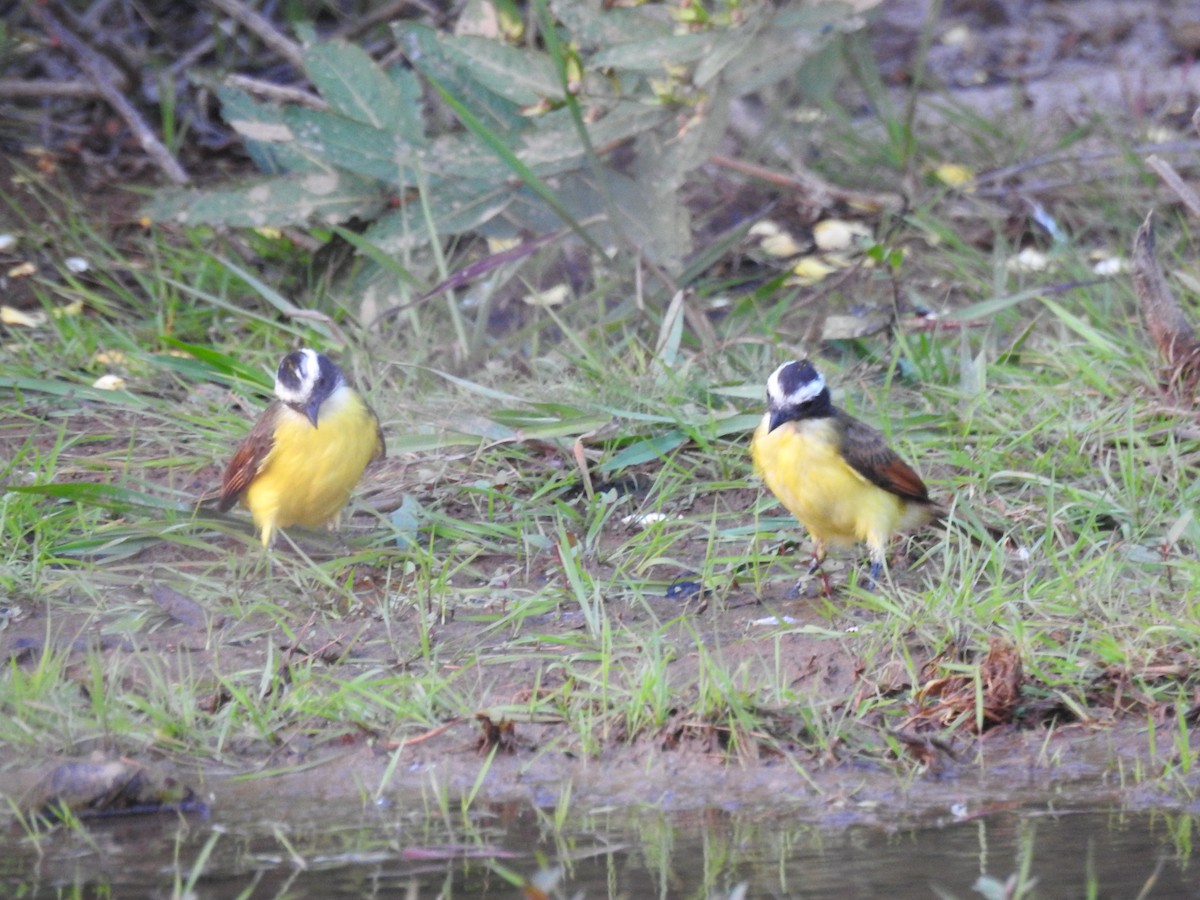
[
  {"x": 835, "y": 474},
  {"x": 306, "y": 452}
]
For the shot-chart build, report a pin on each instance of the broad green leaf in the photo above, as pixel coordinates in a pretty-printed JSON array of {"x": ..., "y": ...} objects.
[
  {"x": 408, "y": 83},
  {"x": 406, "y": 521},
  {"x": 71, "y": 391},
  {"x": 781, "y": 45},
  {"x": 729, "y": 46},
  {"x": 496, "y": 144},
  {"x": 548, "y": 145},
  {"x": 592, "y": 26},
  {"x": 1085, "y": 330},
  {"x": 987, "y": 309},
  {"x": 657, "y": 224},
  {"x": 455, "y": 207},
  {"x": 644, "y": 451},
  {"x": 214, "y": 361},
  {"x": 354, "y": 146},
  {"x": 355, "y": 86},
  {"x": 423, "y": 47},
  {"x": 461, "y": 155},
  {"x": 553, "y": 139},
  {"x": 324, "y": 197},
  {"x": 106, "y": 496},
  {"x": 519, "y": 74},
  {"x": 741, "y": 423},
  {"x": 655, "y": 54},
  {"x": 424, "y": 443},
  {"x": 267, "y": 137}
]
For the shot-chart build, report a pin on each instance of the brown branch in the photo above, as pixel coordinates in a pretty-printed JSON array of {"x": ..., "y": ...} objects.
[
  {"x": 1171, "y": 179},
  {"x": 1165, "y": 319},
  {"x": 821, "y": 192},
  {"x": 99, "y": 70},
  {"x": 386, "y": 13},
  {"x": 37, "y": 87},
  {"x": 264, "y": 30},
  {"x": 279, "y": 93}
]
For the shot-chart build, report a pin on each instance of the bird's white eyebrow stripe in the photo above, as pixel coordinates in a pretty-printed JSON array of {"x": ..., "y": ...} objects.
[
  {"x": 310, "y": 371},
  {"x": 807, "y": 391}
]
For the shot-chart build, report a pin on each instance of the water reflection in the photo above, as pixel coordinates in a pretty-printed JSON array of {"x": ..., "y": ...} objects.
[{"x": 321, "y": 852}]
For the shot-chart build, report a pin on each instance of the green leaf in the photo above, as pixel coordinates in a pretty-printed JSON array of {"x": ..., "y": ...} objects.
[
  {"x": 106, "y": 496},
  {"x": 69, "y": 390},
  {"x": 519, "y": 74},
  {"x": 645, "y": 451},
  {"x": 592, "y": 27},
  {"x": 406, "y": 521},
  {"x": 355, "y": 86},
  {"x": 519, "y": 168},
  {"x": 213, "y": 362},
  {"x": 267, "y": 137},
  {"x": 272, "y": 296},
  {"x": 654, "y": 55},
  {"x": 423, "y": 47},
  {"x": 553, "y": 140},
  {"x": 782, "y": 43},
  {"x": 455, "y": 207},
  {"x": 354, "y": 146},
  {"x": 295, "y": 200}
]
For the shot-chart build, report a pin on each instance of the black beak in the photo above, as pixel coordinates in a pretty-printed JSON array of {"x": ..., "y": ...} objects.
[
  {"x": 311, "y": 409},
  {"x": 778, "y": 417}
]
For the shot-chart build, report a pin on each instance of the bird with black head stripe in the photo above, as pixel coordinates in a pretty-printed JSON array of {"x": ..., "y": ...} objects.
[
  {"x": 834, "y": 473},
  {"x": 306, "y": 452}
]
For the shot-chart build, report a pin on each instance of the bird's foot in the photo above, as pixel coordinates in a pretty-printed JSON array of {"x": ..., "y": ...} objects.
[
  {"x": 873, "y": 577},
  {"x": 826, "y": 585}
]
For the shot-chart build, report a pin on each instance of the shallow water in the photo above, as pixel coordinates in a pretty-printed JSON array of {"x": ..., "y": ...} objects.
[{"x": 321, "y": 851}]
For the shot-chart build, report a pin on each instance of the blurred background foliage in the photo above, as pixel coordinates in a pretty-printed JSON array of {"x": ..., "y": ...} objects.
[{"x": 509, "y": 160}]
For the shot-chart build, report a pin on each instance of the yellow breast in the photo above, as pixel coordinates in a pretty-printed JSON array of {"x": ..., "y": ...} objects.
[
  {"x": 308, "y": 475},
  {"x": 801, "y": 463}
]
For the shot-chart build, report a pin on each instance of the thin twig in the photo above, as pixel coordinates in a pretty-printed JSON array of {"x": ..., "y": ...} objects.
[
  {"x": 264, "y": 30},
  {"x": 432, "y": 733},
  {"x": 277, "y": 92},
  {"x": 353, "y": 29},
  {"x": 1171, "y": 178},
  {"x": 822, "y": 192},
  {"x": 98, "y": 69},
  {"x": 1066, "y": 156},
  {"x": 20, "y": 87}
]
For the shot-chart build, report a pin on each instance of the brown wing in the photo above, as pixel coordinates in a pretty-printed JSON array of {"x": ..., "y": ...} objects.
[
  {"x": 380, "y": 445},
  {"x": 867, "y": 452},
  {"x": 248, "y": 458}
]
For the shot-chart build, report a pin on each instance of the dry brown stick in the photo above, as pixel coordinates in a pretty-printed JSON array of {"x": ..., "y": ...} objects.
[
  {"x": 1066, "y": 156},
  {"x": 1165, "y": 319},
  {"x": 432, "y": 733},
  {"x": 264, "y": 30},
  {"x": 278, "y": 92},
  {"x": 353, "y": 29},
  {"x": 822, "y": 192},
  {"x": 97, "y": 68},
  {"x": 37, "y": 87},
  {"x": 1171, "y": 178}
]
